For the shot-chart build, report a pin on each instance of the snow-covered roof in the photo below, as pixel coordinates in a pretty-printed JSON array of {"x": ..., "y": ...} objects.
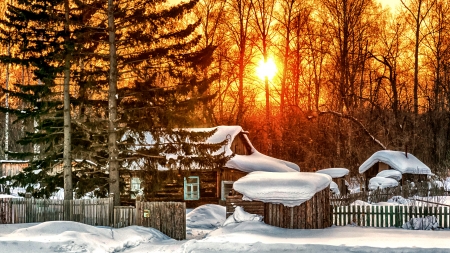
[
  {"x": 334, "y": 172},
  {"x": 287, "y": 188},
  {"x": 13, "y": 161},
  {"x": 394, "y": 174},
  {"x": 382, "y": 182},
  {"x": 246, "y": 163},
  {"x": 397, "y": 160}
]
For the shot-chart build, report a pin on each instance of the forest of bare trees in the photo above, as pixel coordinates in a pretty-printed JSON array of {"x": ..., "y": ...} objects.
[{"x": 352, "y": 78}]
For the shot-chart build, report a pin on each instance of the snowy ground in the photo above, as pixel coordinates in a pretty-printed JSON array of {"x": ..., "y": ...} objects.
[{"x": 205, "y": 234}]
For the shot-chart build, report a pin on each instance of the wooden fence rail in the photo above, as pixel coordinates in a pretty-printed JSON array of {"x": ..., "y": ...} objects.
[
  {"x": 387, "y": 216},
  {"x": 167, "y": 217}
]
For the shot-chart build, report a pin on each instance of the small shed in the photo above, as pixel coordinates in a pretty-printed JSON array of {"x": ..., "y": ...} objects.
[
  {"x": 411, "y": 168},
  {"x": 338, "y": 176},
  {"x": 298, "y": 200}
]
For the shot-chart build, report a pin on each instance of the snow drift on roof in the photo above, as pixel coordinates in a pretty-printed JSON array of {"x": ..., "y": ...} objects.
[
  {"x": 397, "y": 161},
  {"x": 287, "y": 188},
  {"x": 222, "y": 133},
  {"x": 382, "y": 182},
  {"x": 394, "y": 174},
  {"x": 260, "y": 162},
  {"x": 334, "y": 172},
  {"x": 246, "y": 163}
]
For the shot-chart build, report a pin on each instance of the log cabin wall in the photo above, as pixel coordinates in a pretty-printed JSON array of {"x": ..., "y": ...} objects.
[
  {"x": 171, "y": 187},
  {"x": 12, "y": 168},
  {"x": 312, "y": 214},
  {"x": 234, "y": 200}
]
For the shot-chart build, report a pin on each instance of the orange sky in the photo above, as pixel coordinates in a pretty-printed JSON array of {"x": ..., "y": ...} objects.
[{"x": 392, "y": 3}]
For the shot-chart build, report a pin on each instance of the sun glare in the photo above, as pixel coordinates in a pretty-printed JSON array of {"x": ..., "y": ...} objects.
[{"x": 266, "y": 69}]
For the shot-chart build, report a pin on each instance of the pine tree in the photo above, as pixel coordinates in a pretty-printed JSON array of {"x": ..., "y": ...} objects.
[
  {"x": 159, "y": 72},
  {"x": 46, "y": 44}
]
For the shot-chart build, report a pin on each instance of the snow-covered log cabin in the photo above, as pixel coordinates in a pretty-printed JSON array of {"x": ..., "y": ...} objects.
[
  {"x": 284, "y": 199},
  {"x": 388, "y": 164},
  {"x": 197, "y": 185}
]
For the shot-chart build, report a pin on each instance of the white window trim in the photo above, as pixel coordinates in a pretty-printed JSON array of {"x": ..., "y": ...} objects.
[
  {"x": 222, "y": 189},
  {"x": 188, "y": 196}
]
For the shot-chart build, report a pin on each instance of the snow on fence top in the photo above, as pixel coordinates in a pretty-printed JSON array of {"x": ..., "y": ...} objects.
[
  {"x": 397, "y": 160},
  {"x": 334, "y": 172},
  {"x": 287, "y": 188},
  {"x": 246, "y": 163},
  {"x": 394, "y": 174},
  {"x": 382, "y": 182}
]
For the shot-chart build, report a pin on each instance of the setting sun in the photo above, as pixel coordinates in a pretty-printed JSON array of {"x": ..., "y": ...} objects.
[{"x": 266, "y": 69}]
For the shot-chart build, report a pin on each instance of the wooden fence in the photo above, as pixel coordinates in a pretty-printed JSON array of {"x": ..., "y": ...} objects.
[
  {"x": 387, "y": 216},
  {"x": 95, "y": 212},
  {"x": 167, "y": 217}
]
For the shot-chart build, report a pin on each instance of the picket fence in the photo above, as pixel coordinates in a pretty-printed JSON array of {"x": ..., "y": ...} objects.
[
  {"x": 97, "y": 212},
  {"x": 387, "y": 216}
]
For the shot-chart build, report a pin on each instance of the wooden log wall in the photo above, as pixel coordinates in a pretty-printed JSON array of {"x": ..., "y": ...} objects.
[
  {"x": 312, "y": 214},
  {"x": 255, "y": 207}
]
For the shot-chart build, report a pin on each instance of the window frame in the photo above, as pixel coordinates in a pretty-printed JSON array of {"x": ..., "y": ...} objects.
[
  {"x": 222, "y": 189},
  {"x": 189, "y": 193}
]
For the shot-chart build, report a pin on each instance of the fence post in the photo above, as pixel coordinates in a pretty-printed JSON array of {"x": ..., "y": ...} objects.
[
  {"x": 111, "y": 209},
  {"x": 28, "y": 207}
]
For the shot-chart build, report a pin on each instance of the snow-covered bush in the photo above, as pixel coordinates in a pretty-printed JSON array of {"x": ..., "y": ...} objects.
[{"x": 425, "y": 223}]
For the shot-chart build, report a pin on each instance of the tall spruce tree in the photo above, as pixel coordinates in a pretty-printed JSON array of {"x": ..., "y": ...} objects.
[
  {"x": 45, "y": 43},
  {"x": 156, "y": 64}
]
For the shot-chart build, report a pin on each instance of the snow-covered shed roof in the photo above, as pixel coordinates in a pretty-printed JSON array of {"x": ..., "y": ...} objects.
[
  {"x": 287, "y": 188},
  {"x": 246, "y": 163},
  {"x": 394, "y": 174},
  {"x": 397, "y": 160},
  {"x": 334, "y": 172},
  {"x": 382, "y": 182}
]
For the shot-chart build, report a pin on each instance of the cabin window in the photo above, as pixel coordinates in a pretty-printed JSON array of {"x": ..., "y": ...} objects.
[
  {"x": 191, "y": 188},
  {"x": 227, "y": 186},
  {"x": 135, "y": 186}
]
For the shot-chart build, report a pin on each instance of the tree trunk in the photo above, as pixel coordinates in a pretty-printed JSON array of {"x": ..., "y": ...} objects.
[
  {"x": 112, "y": 109},
  {"x": 67, "y": 153}
]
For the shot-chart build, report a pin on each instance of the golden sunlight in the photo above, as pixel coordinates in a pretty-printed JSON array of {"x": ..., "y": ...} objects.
[{"x": 266, "y": 69}]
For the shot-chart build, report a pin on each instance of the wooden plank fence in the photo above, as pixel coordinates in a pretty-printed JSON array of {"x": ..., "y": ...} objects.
[
  {"x": 95, "y": 212},
  {"x": 387, "y": 216},
  {"x": 167, "y": 217}
]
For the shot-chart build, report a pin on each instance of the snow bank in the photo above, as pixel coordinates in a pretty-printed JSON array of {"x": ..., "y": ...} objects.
[
  {"x": 287, "y": 188},
  {"x": 206, "y": 216},
  {"x": 67, "y": 236},
  {"x": 382, "y": 182},
  {"x": 334, "y": 172},
  {"x": 240, "y": 215},
  {"x": 425, "y": 223},
  {"x": 394, "y": 174},
  {"x": 334, "y": 188},
  {"x": 397, "y": 161}
]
